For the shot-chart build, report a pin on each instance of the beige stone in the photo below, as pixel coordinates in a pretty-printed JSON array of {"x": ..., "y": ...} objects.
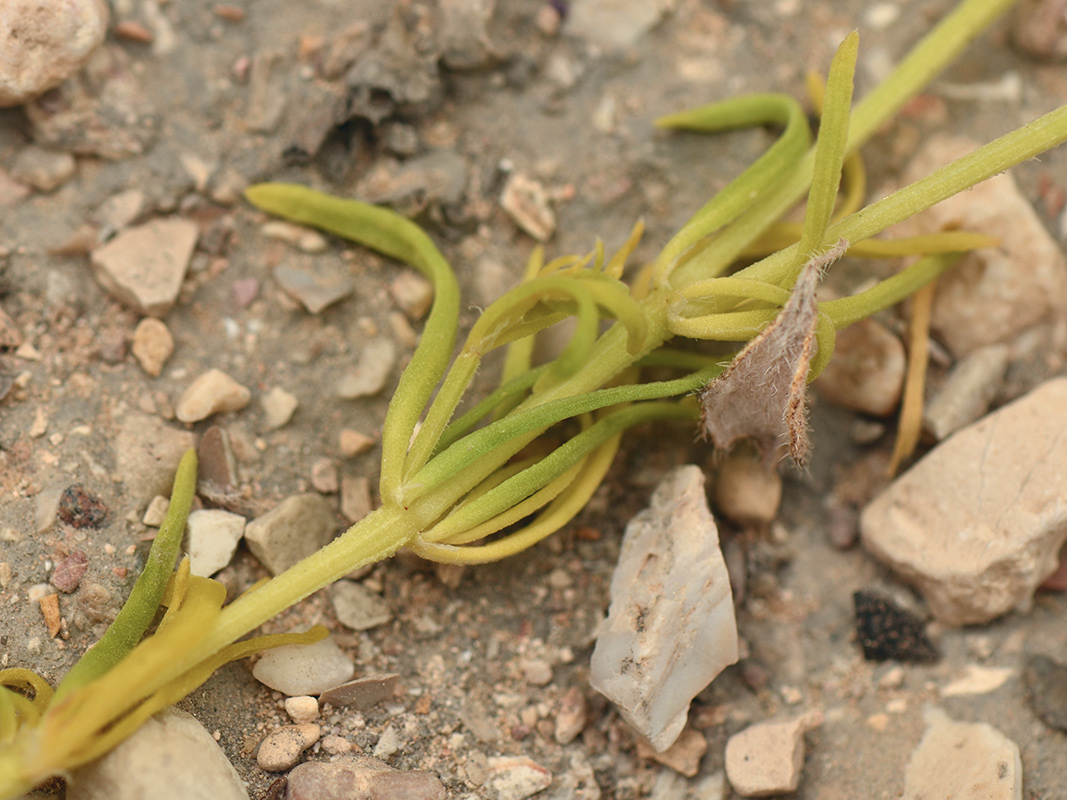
[
  {"x": 747, "y": 490},
  {"x": 866, "y": 373},
  {"x": 766, "y": 759},
  {"x": 214, "y": 392},
  {"x": 152, "y": 345},
  {"x": 978, "y": 523}
]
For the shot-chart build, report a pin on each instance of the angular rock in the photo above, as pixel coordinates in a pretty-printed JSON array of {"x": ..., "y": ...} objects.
[
  {"x": 357, "y": 607},
  {"x": 144, "y": 266},
  {"x": 765, "y": 759},
  {"x": 352, "y": 443},
  {"x": 316, "y": 290},
  {"x": 614, "y": 24},
  {"x": 866, "y": 373},
  {"x": 885, "y": 632},
  {"x": 959, "y": 759},
  {"x": 278, "y": 407},
  {"x": 526, "y": 202},
  {"x": 44, "y": 170},
  {"x": 300, "y": 669},
  {"x": 147, "y": 451},
  {"x": 170, "y": 757},
  {"x": 967, "y": 392},
  {"x": 283, "y": 748},
  {"x": 572, "y": 716},
  {"x": 152, "y": 345},
  {"x": 683, "y": 756},
  {"x": 293, "y": 529},
  {"x": 214, "y": 392},
  {"x": 70, "y": 571},
  {"x": 515, "y": 777},
  {"x": 994, "y": 293},
  {"x": 211, "y": 536},
  {"x": 360, "y": 777},
  {"x": 376, "y": 363},
  {"x": 671, "y": 627},
  {"x": 362, "y": 693},
  {"x": 978, "y": 523},
  {"x": 462, "y": 35},
  {"x": 356, "y": 502},
  {"x": 45, "y": 43}
]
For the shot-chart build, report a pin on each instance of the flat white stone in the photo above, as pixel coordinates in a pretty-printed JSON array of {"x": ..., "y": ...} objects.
[
  {"x": 671, "y": 627},
  {"x": 301, "y": 669},
  {"x": 170, "y": 757},
  {"x": 970, "y": 761},
  {"x": 212, "y": 536},
  {"x": 978, "y": 523}
]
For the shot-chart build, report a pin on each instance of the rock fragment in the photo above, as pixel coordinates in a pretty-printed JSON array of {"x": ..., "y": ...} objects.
[
  {"x": 303, "y": 669},
  {"x": 413, "y": 293},
  {"x": 526, "y": 202},
  {"x": 462, "y": 34},
  {"x": 866, "y": 373},
  {"x": 515, "y": 777},
  {"x": 953, "y": 755},
  {"x": 978, "y": 523},
  {"x": 70, "y": 571},
  {"x": 356, "y": 502},
  {"x": 994, "y": 293},
  {"x": 316, "y": 290},
  {"x": 886, "y": 632},
  {"x": 683, "y": 756},
  {"x": 360, "y": 776},
  {"x": 278, "y": 408},
  {"x": 296, "y": 527},
  {"x": 614, "y": 24},
  {"x": 368, "y": 378},
  {"x": 572, "y": 716},
  {"x": 967, "y": 392},
  {"x": 81, "y": 508},
  {"x": 44, "y": 170},
  {"x": 766, "y": 759},
  {"x": 747, "y": 491},
  {"x": 46, "y": 43},
  {"x": 152, "y": 345},
  {"x": 212, "y": 536},
  {"x": 283, "y": 748},
  {"x": 144, "y": 266},
  {"x": 147, "y": 452},
  {"x": 357, "y": 607},
  {"x": 214, "y": 392},
  {"x": 302, "y": 708},
  {"x": 362, "y": 693},
  {"x": 352, "y": 443},
  {"x": 671, "y": 628},
  {"x": 170, "y": 750}
]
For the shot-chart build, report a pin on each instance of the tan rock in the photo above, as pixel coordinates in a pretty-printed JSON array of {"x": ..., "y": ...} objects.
[
  {"x": 526, "y": 202},
  {"x": 144, "y": 266},
  {"x": 152, "y": 345},
  {"x": 995, "y": 293},
  {"x": 765, "y": 759},
  {"x": 278, "y": 408},
  {"x": 747, "y": 491},
  {"x": 978, "y": 523},
  {"x": 214, "y": 392},
  {"x": 45, "y": 43},
  {"x": 283, "y": 748},
  {"x": 866, "y": 373}
]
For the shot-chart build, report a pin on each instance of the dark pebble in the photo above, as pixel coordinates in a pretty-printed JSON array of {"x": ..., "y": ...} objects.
[
  {"x": 80, "y": 508},
  {"x": 70, "y": 571},
  {"x": 1046, "y": 681},
  {"x": 887, "y": 632}
]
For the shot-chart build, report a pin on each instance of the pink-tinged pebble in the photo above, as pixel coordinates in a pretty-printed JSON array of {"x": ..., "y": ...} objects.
[{"x": 70, "y": 571}]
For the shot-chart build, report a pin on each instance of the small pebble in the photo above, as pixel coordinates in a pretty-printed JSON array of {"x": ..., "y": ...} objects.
[
  {"x": 121, "y": 209},
  {"x": 351, "y": 777},
  {"x": 302, "y": 708},
  {"x": 368, "y": 378},
  {"x": 315, "y": 291},
  {"x": 536, "y": 671},
  {"x": 766, "y": 758},
  {"x": 886, "y": 632},
  {"x": 866, "y": 373},
  {"x": 70, "y": 571},
  {"x": 357, "y": 607},
  {"x": 526, "y": 202},
  {"x": 218, "y": 462},
  {"x": 295, "y": 528},
  {"x": 389, "y": 744},
  {"x": 362, "y": 693},
  {"x": 214, "y": 392},
  {"x": 356, "y": 502},
  {"x": 747, "y": 491},
  {"x": 413, "y": 293},
  {"x": 515, "y": 777},
  {"x": 81, "y": 508},
  {"x": 212, "y": 536},
  {"x": 156, "y": 511},
  {"x": 967, "y": 392},
  {"x": 282, "y": 749},
  {"x": 324, "y": 476},
  {"x": 304, "y": 669},
  {"x": 50, "y": 611},
  {"x": 683, "y": 756},
  {"x": 144, "y": 266},
  {"x": 336, "y": 745},
  {"x": 152, "y": 345},
  {"x": 306, "y": 239},
  {"x": 352, "y": 443},
  {"x": 572, "y": 716},
  {"x": 44, "y": 170},
  {"x": 278, "y": 408}
]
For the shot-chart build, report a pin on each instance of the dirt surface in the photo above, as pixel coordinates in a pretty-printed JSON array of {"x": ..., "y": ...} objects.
[{"x": 219, "y": 100}]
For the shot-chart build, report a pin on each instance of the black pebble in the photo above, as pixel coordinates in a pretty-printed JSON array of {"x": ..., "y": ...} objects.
[{"x": 887, "y": 632}]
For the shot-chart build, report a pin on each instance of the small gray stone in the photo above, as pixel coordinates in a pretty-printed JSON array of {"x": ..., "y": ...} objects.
[
  {"x": 376, "y": 363},
  {"x": 170, "y": 757},
  {"x": 967, "y": 392},
  {"x": 299, "y": 669},
  {"x": 352, "y": 777},
  {"x": 292, "y": 530},
  {"x": 357, "y": 607},
  {"x": 144, "y": 266},
  {"x": 44, "y": 170},
  {"x": 614, "y": 24},
  {"x": 463, "y": 34},
  {"x": 283, "y": 748},
  {"x": 147, "y": 451},
  {"x": 315, "y": 290},
  {"x": 212, "y": 536},
  {"x": 362, "y": 693},
  {"x": 46, "y": 43},
  {"x": 120, "y": 209},
  {"x": 278, "y": 407}
]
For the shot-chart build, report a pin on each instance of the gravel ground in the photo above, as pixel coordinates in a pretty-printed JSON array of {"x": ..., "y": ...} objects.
[{"x": 223, "y": 96}]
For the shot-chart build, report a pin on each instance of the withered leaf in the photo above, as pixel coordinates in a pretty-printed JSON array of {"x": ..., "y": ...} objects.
[{"x": 762, "y": 395}]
